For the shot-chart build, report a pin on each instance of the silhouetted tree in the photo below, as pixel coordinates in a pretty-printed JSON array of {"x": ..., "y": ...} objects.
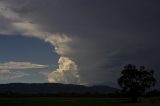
[{"x": 135, "y": 81}]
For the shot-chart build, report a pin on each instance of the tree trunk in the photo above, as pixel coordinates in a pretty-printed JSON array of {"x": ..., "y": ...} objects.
[{"x": 134, "y": 99}]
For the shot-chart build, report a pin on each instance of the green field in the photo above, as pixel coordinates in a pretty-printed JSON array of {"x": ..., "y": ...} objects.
[{"x": 49, "y": 101}]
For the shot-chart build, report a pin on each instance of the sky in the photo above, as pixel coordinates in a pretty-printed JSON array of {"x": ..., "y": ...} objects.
[{"x": 77, "y": 41}]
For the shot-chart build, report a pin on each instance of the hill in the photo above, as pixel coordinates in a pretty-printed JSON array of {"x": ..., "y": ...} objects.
[{"x": 53, "y": 88}]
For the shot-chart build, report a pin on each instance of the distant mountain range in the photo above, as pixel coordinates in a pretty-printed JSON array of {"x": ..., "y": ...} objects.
[{"x": 53, "y": 88}]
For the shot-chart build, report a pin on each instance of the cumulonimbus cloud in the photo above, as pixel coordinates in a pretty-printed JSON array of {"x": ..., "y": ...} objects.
[
  {"x": 16, "y": 24},
  {"x": 98, "y": 41},
  {"x": 63, "y": 74}
]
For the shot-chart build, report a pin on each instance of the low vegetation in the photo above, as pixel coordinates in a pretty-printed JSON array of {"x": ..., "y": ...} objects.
[{"x": 49, "y": 101}]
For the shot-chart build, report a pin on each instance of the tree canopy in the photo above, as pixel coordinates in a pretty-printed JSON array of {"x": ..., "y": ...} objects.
[{"x": 135, "y": 80}]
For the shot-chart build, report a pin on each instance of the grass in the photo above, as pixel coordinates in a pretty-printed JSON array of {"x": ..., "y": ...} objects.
[{"x": 49, "y": 101}]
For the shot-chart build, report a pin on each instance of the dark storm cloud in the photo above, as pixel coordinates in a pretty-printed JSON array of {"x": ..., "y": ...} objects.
[{"x": 107, "y": 34}]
